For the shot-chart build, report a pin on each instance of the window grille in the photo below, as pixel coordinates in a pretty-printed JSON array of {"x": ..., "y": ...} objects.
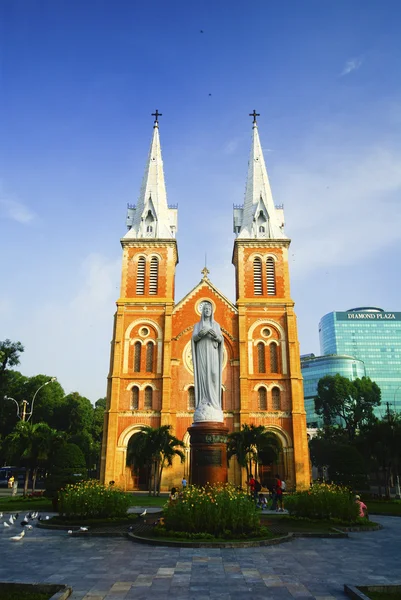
[
  {"x": 262, "y": 398},
  {"x": 273, "y": 359},
  {"x": 271, "y": 277},
  {"x": 191, "y": 398},
  {"x": 276, "y": 400},
  {"x": 261, "y": 358},
  {"x": 135, "y": 398},
  {"x": 257, "y": 277},
  {"x": 154, "y": 275},
  {"x": 137, "y": 357},
  {"x": 149, "y": 357},
  {"x": 148, "y": 398},
  {"x": 140, "y": 276}
]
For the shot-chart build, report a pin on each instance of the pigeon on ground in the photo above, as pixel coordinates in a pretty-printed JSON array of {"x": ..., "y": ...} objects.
[
  {"x": 69, "y": 531},
  {"x": 47, "y": 517},
  {"x": 1, "y": 515},
  {"x": 29, "y": 527},
  {"x": 6, "y": 524},
  {"x": 83, "y": 529},
  {"x": 24, "y": 522},
  {"x": 144, "y": 513},
  {"x": 17, "y": 538},
  {"x": 11, "y": 520}
]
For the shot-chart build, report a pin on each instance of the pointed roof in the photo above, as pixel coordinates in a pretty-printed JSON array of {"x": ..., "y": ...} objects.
[
  {"x": 260, "y": 218},
  {"x": 152, "y": 217}
]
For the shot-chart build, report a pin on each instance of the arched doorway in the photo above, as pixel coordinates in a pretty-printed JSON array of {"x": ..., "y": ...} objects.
[
  {"x": 273, "y": 459},
  {"x": 138, "y": 476}
]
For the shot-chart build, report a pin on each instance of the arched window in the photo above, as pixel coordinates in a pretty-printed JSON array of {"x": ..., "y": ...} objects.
[
  {"x": 191, "y": 398},
  {"x": 148, "y": 398},
  {"x": 135, "y": 398},
  {"x": 140, "y": 276},
  {"x": 257, "y": 276},
  {"x": 137, "y": 357},
  {"x": 273, "y": 358},
  {"x": 276, "y": 400},
  {"x": 154, "y": 275},
  {"x": 262, "y": 398},
  {"x": 149, "y": 357},
  {"x": 271, "y": 277},
  {"x": 261, "y": 358}
]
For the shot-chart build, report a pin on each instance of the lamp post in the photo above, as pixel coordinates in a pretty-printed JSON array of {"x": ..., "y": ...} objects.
[{"x": 24, "y": 411}]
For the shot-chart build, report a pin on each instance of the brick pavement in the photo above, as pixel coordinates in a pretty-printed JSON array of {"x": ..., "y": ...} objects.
[{"x": 112, "y": 568}]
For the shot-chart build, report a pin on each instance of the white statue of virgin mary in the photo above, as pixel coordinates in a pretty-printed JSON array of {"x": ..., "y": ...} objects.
[{"x": 207, "y": 357}]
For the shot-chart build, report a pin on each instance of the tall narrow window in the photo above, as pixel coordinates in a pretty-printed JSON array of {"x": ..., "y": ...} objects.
[
  {"x": 276, "y": 400},
  {"x": 257, "y": 276},
  {"x": 137, "y": 357},
  {"x": 191, "y": 398},
  {"x": 135, "y": 398},
  {"x": 271, "y": 277},
  {"x": 149, "y": 357},
  {"x": 154, "y": 275},
  {"x": 261, "y": 358},
  {"x": 148, "y": 398},
  {"x": 140, "y": 276},
  {"x": 273, "y": 358},
  {"x": 262, "y": 397}
]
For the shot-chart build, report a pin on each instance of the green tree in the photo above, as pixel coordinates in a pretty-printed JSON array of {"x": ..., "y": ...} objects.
[
  {"x": 9, "y": 355},
  {"x": 253, "y": 445},
  {"x": 348, "y": 403},
  {"x": 67, "y": 465},
  {"x": 30, "y": 445},
  {"x": 154, "y": 448},
  {"x": 343, "y": 462},
  {"x": 74, "y": 414}
]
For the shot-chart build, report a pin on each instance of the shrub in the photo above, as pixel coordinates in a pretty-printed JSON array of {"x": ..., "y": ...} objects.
[
  {"x": 67, "y": 466},
  {"x": 212, "y": 510},
  {"x": 324, "y": 501},
  {"x": 91, "y": 499}
]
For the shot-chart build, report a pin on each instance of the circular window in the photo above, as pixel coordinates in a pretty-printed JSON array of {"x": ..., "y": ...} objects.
[
  {"x": 144, "y": 331},
  {"x": 266, "y": 332}
]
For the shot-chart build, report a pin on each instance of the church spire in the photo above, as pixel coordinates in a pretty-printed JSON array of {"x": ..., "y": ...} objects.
[
  {"x": 258, "y": 217},
  {"x": 152, "y": 217}
]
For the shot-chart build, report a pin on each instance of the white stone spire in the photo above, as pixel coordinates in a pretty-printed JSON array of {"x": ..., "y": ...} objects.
[
  {"x": 152, "y": 217},
  {"x": 258, "y": 217}
]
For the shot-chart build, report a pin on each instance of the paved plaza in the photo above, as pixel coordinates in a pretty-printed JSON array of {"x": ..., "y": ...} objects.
[{"x": 113, "y": 568}]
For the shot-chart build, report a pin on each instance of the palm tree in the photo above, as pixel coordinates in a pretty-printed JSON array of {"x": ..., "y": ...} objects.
[
  {"x": 32, "y": 444},
  {"x": 253, "y": 445},
  {"x": 154, "y": 448}
]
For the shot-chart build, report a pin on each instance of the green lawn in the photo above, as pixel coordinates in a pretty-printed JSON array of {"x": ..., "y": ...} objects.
[
  {"x": 25, "y": 504},
  {"x": 396, "y": 595},
  {"x": 145, "y": 500},
  {"x": 381, "y": 507}
]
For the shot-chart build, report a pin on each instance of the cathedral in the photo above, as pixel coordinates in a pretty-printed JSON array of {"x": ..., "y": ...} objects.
[{"x": 151, "y": 378}]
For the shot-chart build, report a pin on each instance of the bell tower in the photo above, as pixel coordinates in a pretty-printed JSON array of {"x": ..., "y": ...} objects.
[
  {"x": 271, "y": 391},
  {"x": 139, "y": 381}
]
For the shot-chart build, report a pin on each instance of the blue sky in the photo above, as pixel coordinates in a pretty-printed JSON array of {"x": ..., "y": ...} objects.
[{"x": 79, "y": 80}]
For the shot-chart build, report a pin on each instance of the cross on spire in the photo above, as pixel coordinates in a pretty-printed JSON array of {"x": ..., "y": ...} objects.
[
  {"x": 156, "y": 115},
  {"x": 254, "y": 114}
]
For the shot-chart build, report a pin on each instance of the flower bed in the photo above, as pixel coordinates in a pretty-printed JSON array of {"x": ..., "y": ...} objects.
[
  {"x": 218, "y": 511},
  {"x": 324, "y": 501},
  {"x": 91, "y": 499}
]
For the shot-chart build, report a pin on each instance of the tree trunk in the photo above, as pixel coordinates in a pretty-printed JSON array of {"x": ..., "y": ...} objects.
[
  {"x": 26, "y": 481},
  {"x": 160, "y": 476},
  {"x": 34, "y": 475}
]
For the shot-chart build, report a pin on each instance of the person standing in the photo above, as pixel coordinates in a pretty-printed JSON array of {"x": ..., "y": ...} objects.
[
  {"x": 184, "y": 483},
  {"x": 252, "y": 483},
  {"x": 279, "y": 494}
]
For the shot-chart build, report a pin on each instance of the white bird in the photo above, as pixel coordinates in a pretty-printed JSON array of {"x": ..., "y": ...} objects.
[
  {"x": 83, "y": 529},
  {"x": 47, "y": 517},
  {"x": 70, "y": 531},
  {"x": 144, "y": 513},
  {"x": 11, "y": 520},
  {"x": 29, "y": 527},
  {"x": 17, "y": 538},
  {"x": 6, "y": 524},
  {"x": 1, "y": 515}
]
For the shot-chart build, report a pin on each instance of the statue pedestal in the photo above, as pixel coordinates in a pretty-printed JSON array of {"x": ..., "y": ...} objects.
[{"x": 208, "y": 453}]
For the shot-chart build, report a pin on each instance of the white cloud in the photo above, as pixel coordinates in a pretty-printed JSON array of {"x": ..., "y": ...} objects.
[
  {"x": 343, "y": 203},
  {"x": 11, "y": 209},
  {"x": 351, "y": 65}
]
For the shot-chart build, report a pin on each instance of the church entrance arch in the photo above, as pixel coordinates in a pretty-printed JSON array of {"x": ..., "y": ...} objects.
[
  {"x": 271, "y": 462},
  {"x": 134, "y": 479}
]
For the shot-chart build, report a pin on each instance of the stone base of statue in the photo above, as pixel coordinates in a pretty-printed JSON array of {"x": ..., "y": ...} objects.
[{"x": 208, "y": 453}]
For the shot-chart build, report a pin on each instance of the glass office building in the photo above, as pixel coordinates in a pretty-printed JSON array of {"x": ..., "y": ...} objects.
[
  {"x": 373, "y": 336},
  {"x": 315, "y": 367}
]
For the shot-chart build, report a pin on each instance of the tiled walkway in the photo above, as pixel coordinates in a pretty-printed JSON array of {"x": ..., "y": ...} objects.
[{"x": 105, "y": 569}]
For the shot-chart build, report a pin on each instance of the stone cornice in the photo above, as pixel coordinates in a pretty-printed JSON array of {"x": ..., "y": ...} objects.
[
  {"x": 277, "y": 414},
  {"x": 205, "y": 283}
]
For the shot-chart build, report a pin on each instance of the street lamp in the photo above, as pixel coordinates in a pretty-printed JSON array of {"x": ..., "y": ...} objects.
[{"x": 24, "y": 412}]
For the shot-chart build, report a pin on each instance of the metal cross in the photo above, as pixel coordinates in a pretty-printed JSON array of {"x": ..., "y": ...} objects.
[
  {"x": 156, "y": 115},
  {"x": 254, "y": 115}
]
